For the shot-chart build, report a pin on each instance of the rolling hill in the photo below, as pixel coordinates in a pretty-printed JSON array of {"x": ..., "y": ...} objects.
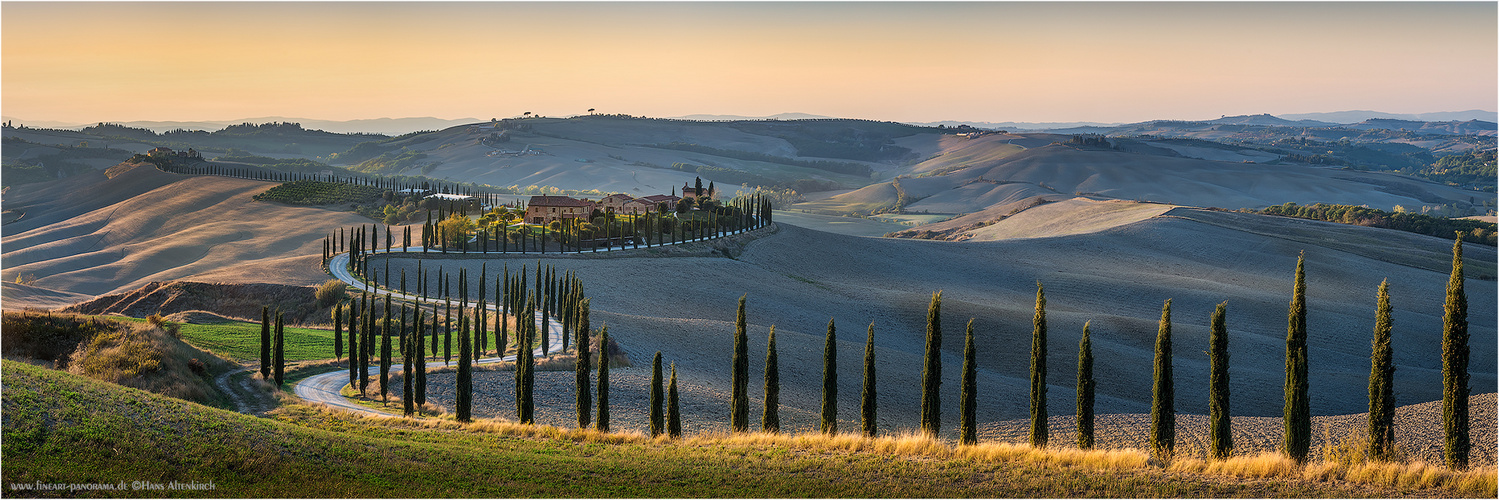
[
  {"x": 1115, "y": 276},
  {"x": 992, "y": 173},
  {"x": 1111, "y": 263},
  {"x": 648, "y": 156},
  {"x": 90, "y": 235}
]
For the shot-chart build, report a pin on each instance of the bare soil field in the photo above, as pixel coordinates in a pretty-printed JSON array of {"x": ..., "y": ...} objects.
[
  {"x": 1064, "y": 218},
  {"x": 91, "y": 235}
]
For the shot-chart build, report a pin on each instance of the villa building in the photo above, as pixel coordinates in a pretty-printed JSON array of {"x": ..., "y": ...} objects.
[
  {"x": 616, "y": 202},
  {"x": 545, "y": 209},
  {"x": 651, "y": 202}
]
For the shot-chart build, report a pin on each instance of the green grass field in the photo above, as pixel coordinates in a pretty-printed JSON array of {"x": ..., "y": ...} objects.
[
  {"x": 61, "y": 428},
  {"x": 240, "y": 341}
]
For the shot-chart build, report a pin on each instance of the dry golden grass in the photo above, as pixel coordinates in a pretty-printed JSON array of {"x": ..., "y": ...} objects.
[{"x": 1476, "y": 481}]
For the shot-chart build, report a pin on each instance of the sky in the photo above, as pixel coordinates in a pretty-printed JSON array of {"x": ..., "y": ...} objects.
[{"x": 86, "y": 62}]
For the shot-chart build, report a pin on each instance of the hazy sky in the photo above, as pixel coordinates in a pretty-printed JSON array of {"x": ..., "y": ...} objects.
[{"x": 1110, "y": 62}]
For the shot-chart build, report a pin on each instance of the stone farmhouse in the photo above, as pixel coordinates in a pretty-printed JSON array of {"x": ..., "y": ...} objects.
[{"x": 545, "y": 209}]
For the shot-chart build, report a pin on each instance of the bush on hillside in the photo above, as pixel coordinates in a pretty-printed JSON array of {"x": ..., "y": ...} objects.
[
  {"x": 139, "y": 355},
  {"x": 330, "y": 292},
  {"x": 48, "y": 337}
]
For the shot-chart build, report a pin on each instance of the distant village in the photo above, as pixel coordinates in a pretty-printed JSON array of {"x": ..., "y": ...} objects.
[{"x": 543, "y": 209}]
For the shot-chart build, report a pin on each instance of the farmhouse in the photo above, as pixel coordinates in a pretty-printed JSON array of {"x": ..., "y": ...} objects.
[
  {"x": 616, "y": 202},
  {"x": 688, "y": 190},
  {"x": 160, "y": 152},
  {"x": 651, "y": 202},
  {"x": 545, "y": 209}
]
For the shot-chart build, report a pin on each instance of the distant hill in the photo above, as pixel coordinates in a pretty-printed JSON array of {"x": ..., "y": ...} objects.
[
  {"x": 1470, "y": 127},
  {"x": 644, "y": 156},
  {"x": 777, "y": 116},
  {"x": 386, "y": 126},
  {"x": 1013, "y": 126},
  {"x": 973, "y": 182},
  {"x": 1361, "y": 115},
  {"x": 1270, "y": 120},
  {"x": 285, "y": 139}
]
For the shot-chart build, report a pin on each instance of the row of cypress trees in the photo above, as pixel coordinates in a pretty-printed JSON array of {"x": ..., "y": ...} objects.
[
  {"x": 1296, "y": 442},
  {"x": 1297, "y": 415},
  {"x": 272, "y": 346},
  {"x": 361, "y": 241},
  {"x": 573, "y": 313}
]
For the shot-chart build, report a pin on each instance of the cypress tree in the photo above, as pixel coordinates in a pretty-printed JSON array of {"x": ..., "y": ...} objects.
[
  {"x": 1085, "y": 387},
  {"x": 447, "y": 330},
  {"x": 739, "y": 400},
  {"x": 931, "y": 372},
  {"x": 867, "y": 399},
  {"x": 354, "y": 357},
  {"x": 830, "y": 381},
  {"x": 408, "y": 379},
  {"x": 1220, "y": 426},
  {"x": 658, "y": 424},
  {"x": 420, "y": 395},
  {"x": 504, "y": 304},
  {"x": 603, "y": 420},
  {"x": 434, "y": 329},
  {"x": 1039, "y": 431},
  {"x": 1163, "y": 403},
  {"x": 525, "y": 364},
  {"x": 673, "y": 410},
  {"x": 385, "y": 354},
  {"x": 584, "y": 393},
  {"x": 565, "y": 308},
  {"x": 1455, "y": 364},
  {"x": 968, "y": 395},
  {"x": 481, "y": 314},
  {"x": 770, "y": 419},
  {"x": 366, "y": 336},
  {"x": 1381, "y": 381},
  {"x": 522, "y": 347},
  {"x": 542, "y": 292},
  {"x": 265, "y": 342},
  {"x": 338, "y": 331},
  {"x": 1298, "y": 420},
  {"x": 463, "y": 397},
  {"x": 280, "y": 350}
]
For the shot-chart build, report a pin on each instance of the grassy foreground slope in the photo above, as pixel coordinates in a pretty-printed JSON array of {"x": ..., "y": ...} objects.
[{"x": 61, "y": 428}]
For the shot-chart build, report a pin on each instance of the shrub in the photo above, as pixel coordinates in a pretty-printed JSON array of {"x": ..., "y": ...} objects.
[
  {"x": 330, "y": 292},
  {"x": 197, "y": 367}
]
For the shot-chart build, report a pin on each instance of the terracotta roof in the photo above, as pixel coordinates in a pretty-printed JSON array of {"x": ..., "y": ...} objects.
[
  {"x": 556, "y": 201},
  {"x": 661, "y": 197}
]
